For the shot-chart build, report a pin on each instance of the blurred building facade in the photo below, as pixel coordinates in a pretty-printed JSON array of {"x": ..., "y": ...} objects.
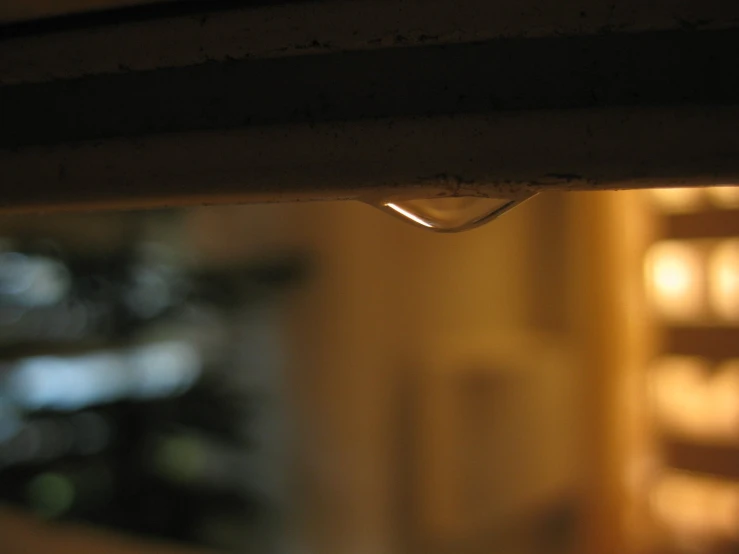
[{"x": 562, "y": 380}]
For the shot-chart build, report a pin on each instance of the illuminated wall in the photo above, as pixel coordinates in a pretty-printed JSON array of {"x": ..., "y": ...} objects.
[{"x": 692, "y": 283}]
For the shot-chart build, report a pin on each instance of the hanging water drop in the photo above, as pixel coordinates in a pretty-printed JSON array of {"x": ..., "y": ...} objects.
[{"x": 451, "y": 213}]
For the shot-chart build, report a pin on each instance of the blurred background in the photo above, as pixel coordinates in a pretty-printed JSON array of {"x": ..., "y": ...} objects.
[{"x": 325, "y": 378}]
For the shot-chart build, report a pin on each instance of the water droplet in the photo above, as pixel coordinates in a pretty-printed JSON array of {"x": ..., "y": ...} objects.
[{"x": 452, "y": 213}]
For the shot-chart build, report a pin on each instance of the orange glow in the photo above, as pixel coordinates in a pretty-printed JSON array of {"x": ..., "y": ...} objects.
[
  {"x": 698, "y": 508},
  {"x": 724, "y": 280},
  {"x": 692, "y": 400},
  {"x": 675, "y": 279},
  {"x": 677, "y": 200},
  {"x": 678, "y": 391}
]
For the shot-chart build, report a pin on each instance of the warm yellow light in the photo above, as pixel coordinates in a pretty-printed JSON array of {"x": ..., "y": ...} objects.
[
  {"x": 691, "y": 399},
  {"x": 679, "y": 394},
  {"x": 675, "y": 278},
  {"x": 696, "y": 507},
  {"x": 724, "y": 197},
  {"x": 724, "y": 280},
  {"x": 678, "y": 200},
  {"x": 724, "y": 503}
]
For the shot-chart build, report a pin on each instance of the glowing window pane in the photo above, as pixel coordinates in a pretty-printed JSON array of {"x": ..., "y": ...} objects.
[
  {"x": 678, "y": 388},
  {"x": 692, "y": 399},
  {"x": 724, "y": 280},
  {"x": 678, "y": 200},
  {"x": 697, "y": 507},
  {"x": 674, "y": 272}
]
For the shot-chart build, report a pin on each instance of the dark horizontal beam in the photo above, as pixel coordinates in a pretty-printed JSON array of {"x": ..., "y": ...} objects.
[
  {"x": 181, "y": 34},
  {"x": 332, "y": 99},
  {"x": 715, "y": 343},
  {"x": 721, "y": 461},
  {"x": 705, "y": 224},
  {"x": 496, "y": 155},
  {"x": 666, "y": 68},
  {"x": 49, "y": 18}
]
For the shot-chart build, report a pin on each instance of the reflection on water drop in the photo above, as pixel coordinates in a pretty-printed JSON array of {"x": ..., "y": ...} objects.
[{"x": 449, "y": 214}]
